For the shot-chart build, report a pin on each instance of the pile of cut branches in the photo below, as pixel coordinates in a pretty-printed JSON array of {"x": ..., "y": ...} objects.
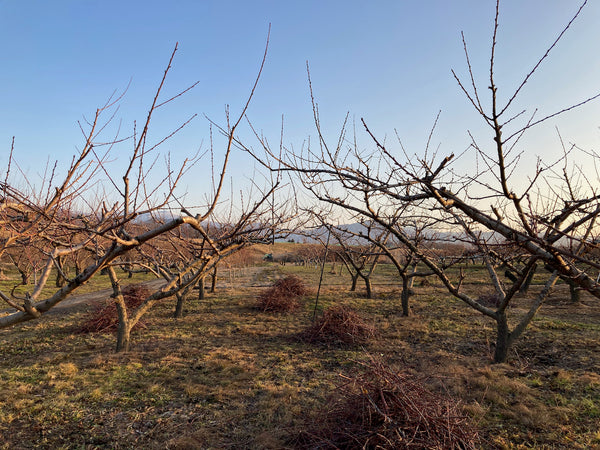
[
  {"x": 104, "y": 317},
  {"x": 389, "y": 410},
  {"x": 283, "y": 296},
  {"x": 339, "y": 325}
]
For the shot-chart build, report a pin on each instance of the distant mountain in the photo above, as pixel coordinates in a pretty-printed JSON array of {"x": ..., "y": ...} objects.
[{"x": 319, "y": 234}]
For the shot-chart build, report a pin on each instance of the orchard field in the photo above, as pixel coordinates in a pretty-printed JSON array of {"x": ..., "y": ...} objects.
[{"x": 230, "y": 375}]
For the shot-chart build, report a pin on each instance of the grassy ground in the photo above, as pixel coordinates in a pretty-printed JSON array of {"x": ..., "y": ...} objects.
[{"x": 229, "y": 376}]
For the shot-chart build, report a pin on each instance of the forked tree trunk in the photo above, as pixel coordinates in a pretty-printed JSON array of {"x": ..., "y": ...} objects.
[{"x": 504, "y": 337}]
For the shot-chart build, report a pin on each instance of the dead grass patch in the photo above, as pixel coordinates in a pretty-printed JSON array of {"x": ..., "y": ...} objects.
[{"x": 229, "y": 376}]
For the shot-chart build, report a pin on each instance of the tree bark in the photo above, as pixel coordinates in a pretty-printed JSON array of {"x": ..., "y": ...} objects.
[
  {"x": 406, "y": 282},
  {"x": 502, "y": 339},
  {"x": 179, "y": 306},
  {"x": 60, "y": 280},
  {"x": 213, "y": 283},
  {"x": 368, "y": 287},
  {"x": 201, "y": 289},
  {"x": 123, "y": 328},
  {"x": 24, "y": 277},
  {"x": 574, "y": 291},
  {"x": 354, "y": 281}
]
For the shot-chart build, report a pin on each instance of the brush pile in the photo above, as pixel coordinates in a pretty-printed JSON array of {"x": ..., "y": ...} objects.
[
  {"x": 283, "y": 296},
  {"x": 104, "y": 317},
  {"x": 389, "y": 410},
  {"x": 339, "y": 325}
]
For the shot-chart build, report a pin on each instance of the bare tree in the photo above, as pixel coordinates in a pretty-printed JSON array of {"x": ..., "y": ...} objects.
[
  {"x": 552, "y": 218},
  {"x": 359, "y": 252},
  {"x": 216, "y": 234},
  {"x": 68, "y": 220},
  {"x": 405, "y": 260},
  {"x": 193, "y": 265}
]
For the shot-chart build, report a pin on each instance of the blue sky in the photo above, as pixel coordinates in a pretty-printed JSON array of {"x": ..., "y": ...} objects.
[{"x": 386, "y": 61}]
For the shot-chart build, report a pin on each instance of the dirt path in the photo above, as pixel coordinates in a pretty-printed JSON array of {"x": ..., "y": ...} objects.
[
  {"x": 77, "y": 301},
  {"x": 247, "y": 277}
]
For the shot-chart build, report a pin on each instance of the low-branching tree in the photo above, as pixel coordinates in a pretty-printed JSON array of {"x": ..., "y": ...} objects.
[{"x": 551, "y": 217}]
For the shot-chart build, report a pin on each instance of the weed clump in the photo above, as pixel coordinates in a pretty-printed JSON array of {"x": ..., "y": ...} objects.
[
  {"x": 340, "y": 325},
  {"x": 385, "y": 409},
  {"x": 104, "y": 317},
  {"x": 283, "y": 296}
]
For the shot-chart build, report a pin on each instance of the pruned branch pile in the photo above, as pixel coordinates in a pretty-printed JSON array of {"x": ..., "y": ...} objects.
[
  {"x": 384, "y": 409},
  {"x": 339, "y": 325},
  {"x": 104, "y": 317},
  {"x": 283, "y": 296}
]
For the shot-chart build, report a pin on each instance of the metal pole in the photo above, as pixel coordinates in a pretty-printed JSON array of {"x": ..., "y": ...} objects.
[{"x": 321, "y": 277}]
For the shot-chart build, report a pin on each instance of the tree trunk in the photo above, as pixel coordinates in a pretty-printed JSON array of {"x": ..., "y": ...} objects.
[
  {"x": 201, "y": 289},
  {"x": 354, "y": 281},
  {"x": 575, "y": 293},
  {"x": 213, "y": 283},
  {"x": 24, "y": 277},
  {"x": 60, "y": 280},
  {"x": 406, "y": 282},
  {"x": 502, "y": 339},
  {"x": 179, "y": 306},
  {"x": 123, "y": 328},
  {"x": 123, "y": 334},
  {"x": 368, "y": 287}
]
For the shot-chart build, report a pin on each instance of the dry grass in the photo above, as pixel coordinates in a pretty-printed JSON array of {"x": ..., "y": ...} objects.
[{"x": 229, "y": 376}]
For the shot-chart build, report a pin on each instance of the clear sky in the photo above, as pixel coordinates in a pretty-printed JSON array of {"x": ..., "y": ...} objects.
[{"x": 386, "y": 61}]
